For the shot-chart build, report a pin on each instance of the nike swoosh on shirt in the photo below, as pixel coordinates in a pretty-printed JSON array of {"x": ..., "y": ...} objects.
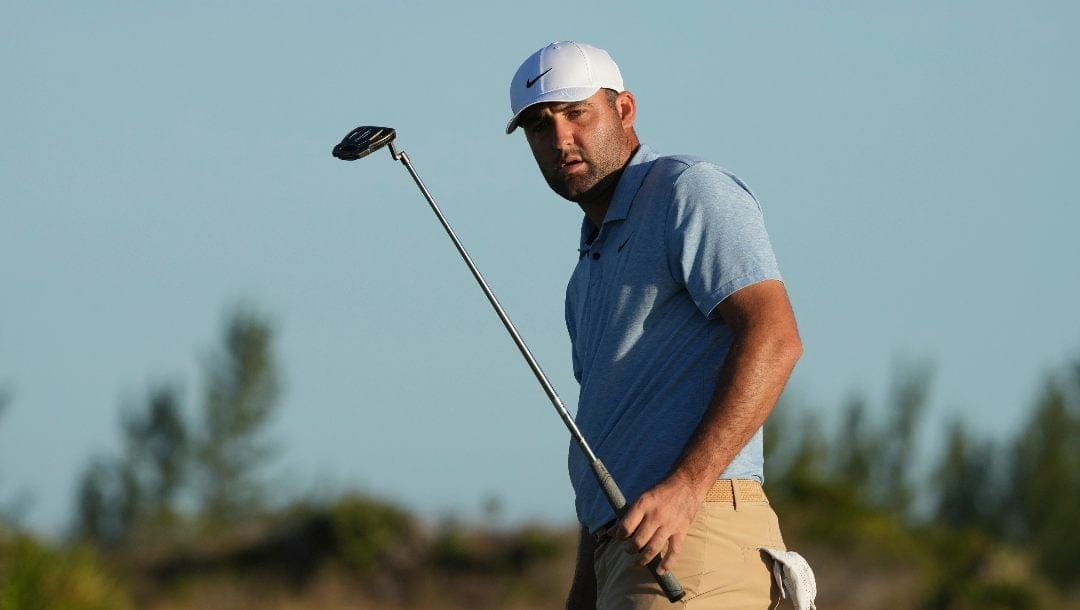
[{"x": 529, "y": 83}]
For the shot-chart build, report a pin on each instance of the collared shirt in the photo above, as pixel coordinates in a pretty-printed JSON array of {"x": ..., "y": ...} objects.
[{"x": 679, "y": 237}]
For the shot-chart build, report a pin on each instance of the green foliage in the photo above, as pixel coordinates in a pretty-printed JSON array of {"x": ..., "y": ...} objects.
[
  {"x": 156, "y": 455},
  {"x": 241, "y": 395},
  {"x": 867, "y": 467},
  {"x": 100, "y": 518},
  {"x": 1000, "y": 530},
  {"x": 134, "y": 496},
  {"x": 1045, "y": 482},
  {"x": 855, "y": 448},
  {"x": 457, "y": 549},
  {"x": 854, "y": 491},
  {"x": 367, "y": 531},
  {"x": 911, "y": 387},
  {"x": 966, "y": 574},
  {"x": 998, "y": 595},
  {"x": 34, "y": 577},
  {"x": 968, "y": 492},
  {"x": 11, "y": 508},
  {"x": 3, "y": 405},
  {"x": 808, "y": 469},
  {"x": 532, "y": 546}
]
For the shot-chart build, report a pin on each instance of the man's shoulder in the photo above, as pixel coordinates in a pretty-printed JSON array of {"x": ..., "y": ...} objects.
[
  {"x": 685, "y": 161},
  {"x": 695, "y": 173}
]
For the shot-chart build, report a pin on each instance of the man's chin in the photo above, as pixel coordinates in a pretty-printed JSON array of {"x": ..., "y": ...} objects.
[
  {"x": 594, "y": 192},
  {"x": 572, "y": 192}
]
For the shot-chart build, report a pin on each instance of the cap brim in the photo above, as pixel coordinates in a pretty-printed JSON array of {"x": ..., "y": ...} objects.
[{"x": 569, "y": 94}]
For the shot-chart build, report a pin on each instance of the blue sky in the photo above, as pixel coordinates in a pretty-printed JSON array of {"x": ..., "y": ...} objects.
[{"x": 161, "y": 162}]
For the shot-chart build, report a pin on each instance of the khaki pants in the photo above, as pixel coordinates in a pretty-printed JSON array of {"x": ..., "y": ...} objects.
[{"x": 720, "y": 566}]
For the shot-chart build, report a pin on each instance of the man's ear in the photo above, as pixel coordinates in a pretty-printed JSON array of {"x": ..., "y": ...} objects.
[{"x": 627, "y": 108}]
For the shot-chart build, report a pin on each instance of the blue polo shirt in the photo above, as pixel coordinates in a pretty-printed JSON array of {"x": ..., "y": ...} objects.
[{"x": 680, "y": 236}]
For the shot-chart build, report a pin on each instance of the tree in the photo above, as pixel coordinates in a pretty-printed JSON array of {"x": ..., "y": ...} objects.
[
  {"x": 911, "y": 387},
  {"x": 133, "y": 496},
  {"x": 966, "y": 483},
  {"x": 98, "y": 517},
  {"x": 156, "y": 457},
  {"x": 855, "y": 448},
  {"x": 242, "y": 389},
  {"x": 808, "y": 470},
  {"x": 3, "y": 405},
  {"x": 11, "y": 509},
  {"x": 1045, "y": 481}
]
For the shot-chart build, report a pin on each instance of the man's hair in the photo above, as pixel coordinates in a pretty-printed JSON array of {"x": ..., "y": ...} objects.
[{"x": 612, "y": 95}]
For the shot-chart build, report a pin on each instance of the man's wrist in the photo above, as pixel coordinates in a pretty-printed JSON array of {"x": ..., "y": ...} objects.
[{"x": 697, "y": 483}]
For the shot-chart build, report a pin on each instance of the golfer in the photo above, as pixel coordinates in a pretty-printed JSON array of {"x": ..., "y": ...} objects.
[{"x": 682, "y": 337}]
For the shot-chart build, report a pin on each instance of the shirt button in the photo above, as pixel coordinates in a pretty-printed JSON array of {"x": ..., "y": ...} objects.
[{"x": 595, "y": 255}]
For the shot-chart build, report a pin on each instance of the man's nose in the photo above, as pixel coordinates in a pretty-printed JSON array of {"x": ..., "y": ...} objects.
[{"x": 562, "y": 133}]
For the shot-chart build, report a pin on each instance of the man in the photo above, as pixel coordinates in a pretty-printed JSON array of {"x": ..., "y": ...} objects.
[{"x": 683, "y": 338}]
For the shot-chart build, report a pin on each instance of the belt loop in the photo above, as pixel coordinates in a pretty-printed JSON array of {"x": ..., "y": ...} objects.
[{"x": 736, "y": 496}]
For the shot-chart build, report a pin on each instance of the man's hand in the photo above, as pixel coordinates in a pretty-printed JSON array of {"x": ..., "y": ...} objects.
[{"x": 658, "y": 521}]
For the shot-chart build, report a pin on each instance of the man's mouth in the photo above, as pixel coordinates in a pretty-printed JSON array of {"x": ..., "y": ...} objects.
[{"x": 571, "y": 165}]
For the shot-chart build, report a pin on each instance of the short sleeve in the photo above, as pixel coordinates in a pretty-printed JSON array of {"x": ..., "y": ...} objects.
[{"x": 716, "y": 242}]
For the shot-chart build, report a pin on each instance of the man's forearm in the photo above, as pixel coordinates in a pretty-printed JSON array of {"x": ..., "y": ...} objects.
[
  {"x": 763, "y": 353},
  {"x": 752, "y": 378}
]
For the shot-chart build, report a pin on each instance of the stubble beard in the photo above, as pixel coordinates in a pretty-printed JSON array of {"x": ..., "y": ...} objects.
[
  {"x": 586, "y": 187},
  {"x": 601, "y": 175}
]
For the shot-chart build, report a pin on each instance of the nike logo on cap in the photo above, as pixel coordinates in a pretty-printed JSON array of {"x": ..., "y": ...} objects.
[{"x": 529, "y": 83}]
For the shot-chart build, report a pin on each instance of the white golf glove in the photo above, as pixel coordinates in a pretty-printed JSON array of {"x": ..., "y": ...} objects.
[{"x": 794, "y": 577}]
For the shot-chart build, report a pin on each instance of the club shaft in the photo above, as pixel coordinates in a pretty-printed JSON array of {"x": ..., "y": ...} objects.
[
  {"x": 524, "y": 349},
  {"x": 670, "y": 585}
]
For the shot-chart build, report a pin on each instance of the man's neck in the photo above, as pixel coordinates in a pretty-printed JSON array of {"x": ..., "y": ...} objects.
[{"x": 596, "y": 209}]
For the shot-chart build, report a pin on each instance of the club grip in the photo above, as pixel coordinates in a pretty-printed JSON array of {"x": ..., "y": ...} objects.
[
  {"x": 667, "y": 581},
  {"x": 672, "y": 589}
]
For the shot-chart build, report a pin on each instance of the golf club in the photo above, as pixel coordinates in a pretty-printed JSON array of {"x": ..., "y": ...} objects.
[{"x": 365, "y": 140}]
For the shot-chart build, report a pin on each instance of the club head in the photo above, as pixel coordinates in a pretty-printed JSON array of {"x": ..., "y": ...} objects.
[{"x": 363, "y": 141}]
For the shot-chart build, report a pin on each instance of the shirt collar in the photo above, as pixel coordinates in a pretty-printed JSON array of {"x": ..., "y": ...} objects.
[
  {"x": 625, "y": 191},
  {"x": 629, "y": 183}
]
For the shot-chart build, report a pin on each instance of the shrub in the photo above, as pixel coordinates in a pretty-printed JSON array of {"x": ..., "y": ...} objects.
[
  {"x": 368, "y": 531},
  {"x": 35, "y": 577}
]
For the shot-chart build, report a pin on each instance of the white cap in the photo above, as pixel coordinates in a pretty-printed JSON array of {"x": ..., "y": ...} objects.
[{"x": 561, "y": 72}]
